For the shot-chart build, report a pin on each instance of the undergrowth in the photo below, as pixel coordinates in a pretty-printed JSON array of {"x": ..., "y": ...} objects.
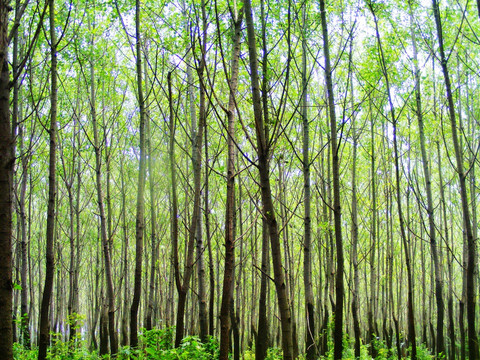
[{"x": 157, "y": 344}]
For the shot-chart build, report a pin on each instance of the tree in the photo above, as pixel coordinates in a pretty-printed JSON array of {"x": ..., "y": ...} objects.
[
  {"x": 112, "y": 332},
  {"x": 228, "y": 277},
  {"x": 140, "y": 221},
  {"x": 263, "y": 153},
  {"x": 7, "y": 162},
  {"x": 44, "y": 337},
  {"x": 201, "y": 68},
  {"x": 440, "y": 349},
  {"x": 339, "y": 287},
  {"x": 394, "y": 121},
  {"x": 307, "y": 248},
  {"x": 473, "y": 348}
]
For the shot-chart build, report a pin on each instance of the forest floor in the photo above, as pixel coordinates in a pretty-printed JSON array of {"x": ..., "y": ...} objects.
[{"x": 158, "y": 345}]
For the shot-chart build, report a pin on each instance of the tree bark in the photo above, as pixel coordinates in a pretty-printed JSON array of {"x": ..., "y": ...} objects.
[
  {"x": 451, "y": 314},
  {"x": 44, "y": 338},
  {"x": 310, "y": 334},
  {"x": 440, "y": 343},
  {"x": 153, "y": 223},
  {"x": 7, "y": 161},
  {"x": 22, "y": 221},
  {"x": 24, "y": 313},
  {"x": 354, "y": 229},
  {"x": 202, "y": 302},
  {"x": 228, "y": 276},
  {"x": 73, "y": 268},
  {"x": 470, "y": 241},
  {"x": 337, "y": 213},
  {"x": 373, "y": 244},
  {"x": 140, "y": 221},
  {"x": 211, "y": 265},
  {"x": 103, "y": 222},
  {"x": 263, "y": 337},
  {"x": 410, "y": 305},
  {"x": 124, "y": 324},
  {"x": 263, "y": 149}
]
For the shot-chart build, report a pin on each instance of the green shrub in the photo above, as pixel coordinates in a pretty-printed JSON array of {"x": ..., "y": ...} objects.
[{"x": 21, "y": 353}]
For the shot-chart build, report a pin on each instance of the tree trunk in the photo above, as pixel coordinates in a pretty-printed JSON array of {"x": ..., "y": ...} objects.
[
  {"x": 470, "y": 241},
  {"x": 174, "y": 204},
  {"x": 373, "y": 244},
  {"x": 440, "y": 348},
  {"x": 230, "y": 203},
  {"x": 263, "y": 338},
  {"x": 16, "y": 116},
  {"x": 153, "y": 220},
  {"x": 263, "y": 149},
  {"x": 103, "y": 328},
  {"x": 310, "y": 334},
  {"x": 211, "y": 265},
  {"x": 356, "y": 281},
  {"x": 103, "y": 223},
  {"x": 202, "y": 302},
  {"x": 7, "y": 161},
  {"x": 354, "y": 229},
  {"x": 337, "y": 213},
  {"x": 181, "y": 288},
  {"x": 140, "y": 222},
  {"x": 410, "y": 306},
  {"x": 69, "y": 181},
  {"x": 124, "y": 330},
  {"x": 24, "y": 313},
  {"x": 49, "y": 256}
]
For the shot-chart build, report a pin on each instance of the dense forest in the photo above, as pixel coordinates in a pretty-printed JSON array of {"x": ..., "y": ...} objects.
[{"x": 238, "y": 179}]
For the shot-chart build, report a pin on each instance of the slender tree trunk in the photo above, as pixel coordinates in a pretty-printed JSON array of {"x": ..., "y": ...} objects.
[
  {"x": 124, "y": 323},
  {"x": 339, "y": 287},
  {"x": 103, "y": 223},
  {"x": 470, "y": 241},
  {"x": 329, "y": 246},
  {"x": 307, "y": 226},
  {"x": 181, "y": 288},
  {"x": 356, "y": 281},
  {"x": 197, "y": 138},
  {"x": 240, "y": 303},
  {"x": 24, "y": 312},
  {"x": 76, "y": 268},
  {"x": 140, "y": 222},
  {"x": 410, "y": 305},
  {"x": 451, "y": 315},
  {"x": 73, "y": 292},
  {"x": 211, "y": 265},
  {"x": 354, "y": 230},
  {"x": 263, "y": 149},
  {"x": 7, "y": 161},
  {"x": 263, "y": 338},
  {"x": 428, "y": 186},
  {"x": 202, "y": 302},
  {"x": 373, "y": 240},
  {"x": 16, "y": 116},
  {"x": 153, "y": 220},
  {"x": 174, "y": 204},
  {"x": 103, "y": 326},
  {"x": 50, "y": 261},
  {"x": 230, "y": 204}
]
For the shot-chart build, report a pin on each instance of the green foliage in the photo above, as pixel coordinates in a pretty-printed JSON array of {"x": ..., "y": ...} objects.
[
  {"x": 274, "y": 354},
  {"x": 158, "y": 339},
  {"x": 20, "y": 352},
  {"x": 157, "y": 344},
  {"x": 72, "y": 349}
]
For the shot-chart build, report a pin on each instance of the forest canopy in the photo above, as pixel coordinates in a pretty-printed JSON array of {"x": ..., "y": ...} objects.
[{"x": 219, "y": 179}]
